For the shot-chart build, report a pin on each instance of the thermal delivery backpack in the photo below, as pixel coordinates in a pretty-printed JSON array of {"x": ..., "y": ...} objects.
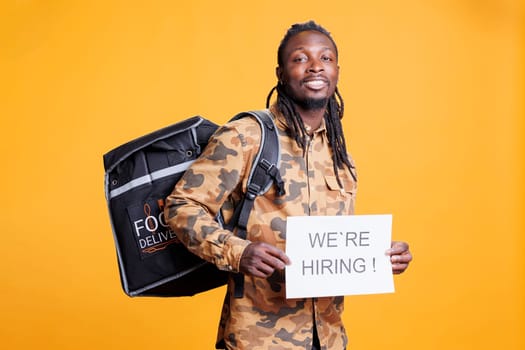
[{"x": 140, "y": 174}]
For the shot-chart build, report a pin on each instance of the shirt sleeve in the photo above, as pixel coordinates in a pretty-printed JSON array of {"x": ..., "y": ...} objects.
[{"x": 193, "y": 205}]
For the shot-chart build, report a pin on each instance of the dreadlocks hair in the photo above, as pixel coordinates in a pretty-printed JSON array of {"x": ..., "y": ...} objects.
[{"x": 334, "y": 110}]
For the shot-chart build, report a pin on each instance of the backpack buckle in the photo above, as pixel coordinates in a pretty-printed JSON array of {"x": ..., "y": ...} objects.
[{"x": 252, "y": 191}]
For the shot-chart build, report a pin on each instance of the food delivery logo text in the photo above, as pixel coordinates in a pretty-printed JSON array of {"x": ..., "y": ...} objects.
[{"x": 152, "y": 233}]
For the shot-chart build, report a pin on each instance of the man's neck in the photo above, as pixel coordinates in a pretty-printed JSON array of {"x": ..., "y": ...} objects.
[{"x": 311, "y": 117}]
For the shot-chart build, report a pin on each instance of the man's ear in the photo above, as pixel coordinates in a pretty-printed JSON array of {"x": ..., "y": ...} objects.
[{"x": 279, "y": 74}]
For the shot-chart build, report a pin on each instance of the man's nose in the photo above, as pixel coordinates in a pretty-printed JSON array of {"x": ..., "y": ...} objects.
[{"x": 315, "y": 66}]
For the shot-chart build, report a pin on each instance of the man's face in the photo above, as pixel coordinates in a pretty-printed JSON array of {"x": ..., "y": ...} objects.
[{"x": 309, "y": 71}]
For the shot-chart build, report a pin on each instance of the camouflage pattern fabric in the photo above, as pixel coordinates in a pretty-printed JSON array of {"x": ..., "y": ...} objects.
[{"x": 263, "y": 318}]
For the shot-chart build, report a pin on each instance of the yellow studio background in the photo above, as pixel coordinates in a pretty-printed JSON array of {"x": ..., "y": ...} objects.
[{"x": 434, "y": 118}]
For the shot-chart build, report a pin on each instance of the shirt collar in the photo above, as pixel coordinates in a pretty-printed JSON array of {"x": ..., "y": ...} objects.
[{"x": 281, "y": 121}]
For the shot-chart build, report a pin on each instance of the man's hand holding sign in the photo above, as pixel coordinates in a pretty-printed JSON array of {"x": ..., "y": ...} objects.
[
  {"x": 332, "y": 255},
  {"x": 338, "y": 255},
  {"x": 400, "y": 256}
]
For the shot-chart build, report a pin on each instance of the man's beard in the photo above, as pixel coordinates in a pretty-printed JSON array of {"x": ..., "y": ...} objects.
[{"x": 311, "y": 104}]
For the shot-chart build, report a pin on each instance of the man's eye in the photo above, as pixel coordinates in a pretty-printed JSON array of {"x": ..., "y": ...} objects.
[
  {"x": 326, "y": 58},
  {"x": 299, "y": 59}
]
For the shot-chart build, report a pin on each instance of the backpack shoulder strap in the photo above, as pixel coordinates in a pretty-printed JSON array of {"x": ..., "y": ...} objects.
[
  {"x": 264, "y": 173},
  {"x": 265, "y": 168}
]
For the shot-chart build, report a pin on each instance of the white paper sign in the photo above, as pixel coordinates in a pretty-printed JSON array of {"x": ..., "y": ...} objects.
[{"x": 338, "y": 255}]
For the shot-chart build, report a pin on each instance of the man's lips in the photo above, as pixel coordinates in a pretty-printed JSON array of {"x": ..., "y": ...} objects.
[{"x": 315, "y": 83}]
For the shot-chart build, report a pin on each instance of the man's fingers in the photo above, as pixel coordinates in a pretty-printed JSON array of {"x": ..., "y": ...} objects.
[
  {"x": 280, "y": 262},
  {"x": 280, "y": 258},
  {"x": 400, "y": 256},
  {"x": 262, "y": 259},
  {"x": 403, "y": 258},
  {"x": 275, "y": 259},
  {"x": 398, "y": 248},
  {"x": 262, "y": 270},
  {"x": 399, "y": 268}
]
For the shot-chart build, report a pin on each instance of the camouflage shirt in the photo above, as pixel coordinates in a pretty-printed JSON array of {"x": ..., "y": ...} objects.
[{"x": 263, "y": 318}]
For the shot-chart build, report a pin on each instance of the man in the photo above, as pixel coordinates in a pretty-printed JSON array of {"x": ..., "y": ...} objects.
[{"x": 319, "y": 179}]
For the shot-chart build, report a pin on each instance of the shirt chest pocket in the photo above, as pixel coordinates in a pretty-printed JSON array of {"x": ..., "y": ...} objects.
[{"x": 340, "y": 200}]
